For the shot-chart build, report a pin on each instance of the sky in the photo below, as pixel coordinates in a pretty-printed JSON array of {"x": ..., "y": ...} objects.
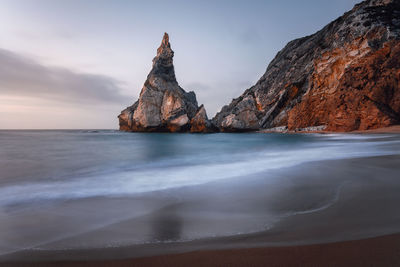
[{"x": 75, "y": 64}]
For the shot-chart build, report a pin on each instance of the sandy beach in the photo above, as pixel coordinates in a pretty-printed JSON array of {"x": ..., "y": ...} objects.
[
  {"x": 379, "y": 251},
  {"x": 395, "y": 129},
  {"x": 391, "y": 129},
  {"x": 323, "y": 206}
]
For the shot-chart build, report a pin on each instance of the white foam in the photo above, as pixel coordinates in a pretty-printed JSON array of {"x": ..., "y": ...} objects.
[{"x": 130, "y": 182}]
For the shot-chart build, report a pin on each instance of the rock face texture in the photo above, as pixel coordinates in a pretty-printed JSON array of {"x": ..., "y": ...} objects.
[
  {"x": 344, "y": 77},
  {"x": 200, "y": 122},
  {"x": 163, "y": 106}
]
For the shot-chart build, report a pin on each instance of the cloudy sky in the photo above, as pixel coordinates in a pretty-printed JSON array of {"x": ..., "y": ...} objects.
[{"x": 78, "y": 63}]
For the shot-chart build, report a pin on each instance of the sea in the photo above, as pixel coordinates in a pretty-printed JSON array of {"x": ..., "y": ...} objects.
[{"x": 56, "y": 186}]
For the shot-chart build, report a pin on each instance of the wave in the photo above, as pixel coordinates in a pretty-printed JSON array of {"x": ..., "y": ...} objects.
[
  {"x": 322, "y": 207},
  {"x": 182, "y": 171},
  {"x": 118, "y": 164}
]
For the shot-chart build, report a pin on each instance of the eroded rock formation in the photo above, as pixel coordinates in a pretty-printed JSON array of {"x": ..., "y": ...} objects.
[
  {"x": 200, "y": 122},
  {"x": 163, "y": 106},
  {"x": 344, "y": 77}
]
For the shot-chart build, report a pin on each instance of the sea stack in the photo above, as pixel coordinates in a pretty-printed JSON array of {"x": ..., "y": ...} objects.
[
  {"x": 163, "y": 106},
  {"x": 345, "y": 77}
]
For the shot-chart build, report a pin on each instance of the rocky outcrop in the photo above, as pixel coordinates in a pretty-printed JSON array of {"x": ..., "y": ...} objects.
[
  {"x": 163, "y": 106},
  {"x": 200, "y": 122},
  {"x": 344, "y": 77}
]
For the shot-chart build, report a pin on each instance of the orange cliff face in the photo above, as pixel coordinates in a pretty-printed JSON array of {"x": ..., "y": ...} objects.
[
  {"x": 345, "y": 77},
  {"x": 352, "y": 88}
]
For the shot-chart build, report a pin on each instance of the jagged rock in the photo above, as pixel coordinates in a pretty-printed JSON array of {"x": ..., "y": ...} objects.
[
  {"x": 200, "y": 122},
  {"x": 242, "y": 117},
  {"x": 163, "y": 106},
  {"x": 344, "y": 77}
]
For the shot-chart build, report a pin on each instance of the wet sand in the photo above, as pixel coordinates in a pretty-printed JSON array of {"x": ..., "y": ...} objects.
[
  {"x": 380, "y": 251},
  {"x": 315, "y": 203}
]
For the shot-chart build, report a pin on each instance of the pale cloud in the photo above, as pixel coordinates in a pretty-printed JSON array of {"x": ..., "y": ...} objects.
[
  {"x": 36, "y": 96},
  {"x": 23, "y": 76}
]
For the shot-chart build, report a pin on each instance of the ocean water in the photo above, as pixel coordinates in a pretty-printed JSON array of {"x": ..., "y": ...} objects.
[
  {"x": 57, "y": 184},
  {"x": 37, "y": 165}
]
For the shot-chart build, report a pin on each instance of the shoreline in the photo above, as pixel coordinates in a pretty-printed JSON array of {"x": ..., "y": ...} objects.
[
  {"x": 390, "y": 129},
  {"x": 304, "y": 230},
  {"x": 376, "y": 251}
]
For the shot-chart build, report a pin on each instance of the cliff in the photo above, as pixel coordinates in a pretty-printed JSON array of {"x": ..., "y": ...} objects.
[
  {"x": 345, "y": 77},
  {"x": 163, "y": 106}
]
